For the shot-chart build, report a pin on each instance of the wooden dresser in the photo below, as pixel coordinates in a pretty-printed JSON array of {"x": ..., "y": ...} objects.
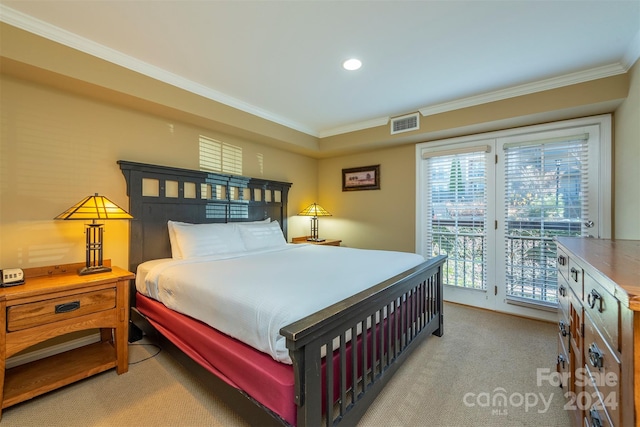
[
  {"x": 599, "y": 330},
  {"x": 55, "y": 301}
]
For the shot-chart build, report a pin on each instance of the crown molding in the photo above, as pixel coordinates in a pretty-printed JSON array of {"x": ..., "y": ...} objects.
[
  {"x": 498, "y": 95},
  {"x": 354, "y": 127},
  {"x": 59, "y": 35},
  {"x": 67, "y": 38},
  {"x": 526, "y": 89}
]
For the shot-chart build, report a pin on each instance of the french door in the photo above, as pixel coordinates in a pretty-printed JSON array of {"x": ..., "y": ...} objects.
[{"x": 494, "y": 203}]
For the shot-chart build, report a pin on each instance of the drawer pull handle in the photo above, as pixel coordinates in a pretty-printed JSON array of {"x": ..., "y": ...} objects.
[
  {"x": 596, "y": 421},
  {"x": 593, "y": 297},
  {"x": 561, "y": 360},
  {"x": 574, "y": 274},
  {"x": 595, "y": 356},
  {"x": 67, "y": 307},
  {"x": 562, "y": 291},
  {"x": 562, "y": 260},
  {"x": 563, "y": 328}
]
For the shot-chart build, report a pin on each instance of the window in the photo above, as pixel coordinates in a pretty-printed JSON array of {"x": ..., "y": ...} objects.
[
  {"x": 457, "y": 222},
  {"x": 546, "y": 195},
  {"x": 494, "y": 204}
]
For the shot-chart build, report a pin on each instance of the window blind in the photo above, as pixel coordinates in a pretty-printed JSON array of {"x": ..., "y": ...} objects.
[
  {"x": 457, "y": 197},
  {"x": 546, "y": 195}
]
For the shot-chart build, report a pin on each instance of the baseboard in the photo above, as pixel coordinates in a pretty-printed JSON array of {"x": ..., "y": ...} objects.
[{"x": 31, "y": 356}]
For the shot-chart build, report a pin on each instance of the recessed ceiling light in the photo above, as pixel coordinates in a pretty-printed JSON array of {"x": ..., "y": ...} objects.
[{"x": 352, "y": 64}]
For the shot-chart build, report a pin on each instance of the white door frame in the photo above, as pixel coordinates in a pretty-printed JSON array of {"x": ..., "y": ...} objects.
[{"x": 489, "y": 298}]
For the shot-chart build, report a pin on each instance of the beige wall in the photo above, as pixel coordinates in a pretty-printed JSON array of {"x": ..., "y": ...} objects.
[
  {"x": 57, "y": 147},
  {"x": 626, "y": 162},
  {"x": 68, "y": 117},
  {"x": 386, "y": 218},
  {"x": 374, "y": 219}
]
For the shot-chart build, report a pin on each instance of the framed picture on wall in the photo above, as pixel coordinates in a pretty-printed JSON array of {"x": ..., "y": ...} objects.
[{"x": 362, "y": 178}]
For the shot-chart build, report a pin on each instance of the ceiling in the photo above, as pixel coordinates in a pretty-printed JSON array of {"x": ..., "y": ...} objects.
[{"x": 281, "y": 60}]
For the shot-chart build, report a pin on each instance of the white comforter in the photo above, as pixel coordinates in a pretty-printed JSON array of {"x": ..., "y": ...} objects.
[{"x": 251, "y": 295}]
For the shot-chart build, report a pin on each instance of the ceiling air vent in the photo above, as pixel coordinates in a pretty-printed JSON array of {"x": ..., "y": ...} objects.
[{"x": 405, "y": 123}]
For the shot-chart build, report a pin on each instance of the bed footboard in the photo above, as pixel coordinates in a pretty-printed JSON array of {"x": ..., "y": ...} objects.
[{"x": 388, "y": 320}]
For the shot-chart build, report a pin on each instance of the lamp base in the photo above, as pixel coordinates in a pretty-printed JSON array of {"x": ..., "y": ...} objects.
[
  {"x": 316, "y": 239},
  {"x": 93, "y": 270}
]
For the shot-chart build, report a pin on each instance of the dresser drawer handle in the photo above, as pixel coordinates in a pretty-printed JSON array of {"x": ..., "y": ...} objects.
[
  {"x": 562, "y": 360},
  {"x": 67, "y": 307},
  {"x": 562, "y": 260},
  {"x": 562, "y": 291},
  {"x": 593, "y": 297},
  {"x": 574, "y": 274},
  {"x": 595, "y": 356},
  {"x": 596, "y": 421},
  {"x": 563, "y": 328}
]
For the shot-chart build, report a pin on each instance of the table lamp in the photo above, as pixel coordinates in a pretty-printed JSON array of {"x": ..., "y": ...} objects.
[
  {"x": 314, "y": 210},
  {"x": 94, "y": 208}
]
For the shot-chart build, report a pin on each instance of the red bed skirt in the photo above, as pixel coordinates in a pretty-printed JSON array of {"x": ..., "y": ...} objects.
[{"x": 257, "y": 374}]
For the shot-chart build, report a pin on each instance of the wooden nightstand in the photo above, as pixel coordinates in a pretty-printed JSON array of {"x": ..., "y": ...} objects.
[
  {"x": 327, "y": 242},
  {"x": 55, "y": 301}
]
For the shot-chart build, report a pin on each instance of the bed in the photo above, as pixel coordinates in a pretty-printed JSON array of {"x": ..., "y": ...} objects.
[{"x": 323, "y": 368}]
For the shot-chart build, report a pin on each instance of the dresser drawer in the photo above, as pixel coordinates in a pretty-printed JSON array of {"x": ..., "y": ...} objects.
[
  {"x": 563, "y": 328},
  {"x": 604, "y": 310},
  {"x": 563, "y": 294},
  {"x": 603, "y": 367},
  {"x": 575, "y": 278},
  {"x": 596, "y": 411},
  {"x": 44, "y": 312},
  {"x": 562, "y": 262},
  {"x": 563, "y": 365}
]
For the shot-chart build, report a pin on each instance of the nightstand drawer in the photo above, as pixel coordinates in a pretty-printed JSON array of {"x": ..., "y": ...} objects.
[{"x": 44, "y": 312}]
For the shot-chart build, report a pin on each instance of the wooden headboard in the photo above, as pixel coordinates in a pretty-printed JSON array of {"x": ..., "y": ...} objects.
[{"x": 158, "y": 194}]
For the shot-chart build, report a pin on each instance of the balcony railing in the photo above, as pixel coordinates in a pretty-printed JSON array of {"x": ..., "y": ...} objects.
[
  {"x": 464, "y": 244},
  {"x": 530, "y": 255}
]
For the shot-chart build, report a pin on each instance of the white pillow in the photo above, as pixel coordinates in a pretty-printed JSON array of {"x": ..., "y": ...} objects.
[
  {"x": 175, "y": 249},
  {"x": 196, "y": 240},
  {"x": 261, "y": 236}
]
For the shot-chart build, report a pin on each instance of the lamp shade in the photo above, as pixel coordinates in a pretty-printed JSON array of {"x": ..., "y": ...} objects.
[
  {"x": 94, "y": 208},
  {"x": 314, "y": 209}
]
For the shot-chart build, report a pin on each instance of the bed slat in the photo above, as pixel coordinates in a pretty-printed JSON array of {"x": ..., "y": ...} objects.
[{"x": 413, "y": 305}]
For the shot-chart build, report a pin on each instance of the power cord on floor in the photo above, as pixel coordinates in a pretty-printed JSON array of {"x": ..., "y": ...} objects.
[{"x": 158, "y": 348}]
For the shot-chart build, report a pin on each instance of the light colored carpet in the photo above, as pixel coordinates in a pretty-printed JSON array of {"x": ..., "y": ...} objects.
[
  {"x": 452, "y": 381},
  {"x": 457, "y": 379}
]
